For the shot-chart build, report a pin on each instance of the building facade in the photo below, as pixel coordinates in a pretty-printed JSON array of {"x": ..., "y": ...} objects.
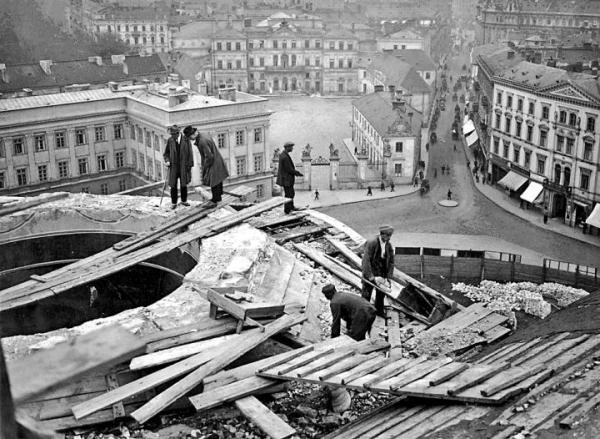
[
  {"x": 510, "y": 19},
  {"x": 545, "y": 128},
  {"x": 404, "y": 39},
  {"x": 145, "y": 29},
  {"x": 99, "y": 140},
  {"x": 285, "y": 58},
  {"x": 388, "y": 131}
]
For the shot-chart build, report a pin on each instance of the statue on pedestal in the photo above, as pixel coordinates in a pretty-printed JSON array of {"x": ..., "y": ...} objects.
[
  {"x": 276, "y": 154},
  {"x": 306, "y": 151}
]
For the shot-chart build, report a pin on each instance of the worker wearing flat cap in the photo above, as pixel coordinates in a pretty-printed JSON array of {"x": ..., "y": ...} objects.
[
  {"x": 377, "y": 261},
  {"x": 214, "y": 171},
  {"x": 179, "y": 159},
  {"x": 286, "y": 176},
  {"x": 358, "y": 314}
]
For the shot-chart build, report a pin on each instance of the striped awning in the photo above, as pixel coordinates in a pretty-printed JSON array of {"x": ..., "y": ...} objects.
[
  {"x": 594, "y": 218},
  {"x": 512, "y": 181},
  {"x": 533, "y": 192}
]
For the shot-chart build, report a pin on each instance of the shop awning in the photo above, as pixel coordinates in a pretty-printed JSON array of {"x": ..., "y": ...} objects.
[
  {"x": 472, "y": 138},
  {"x": 468, "y": 127},
  {"x": 594, "y": 218},
  {"x": 533, "y": 192},
  {"x": 512, "y": 181}
]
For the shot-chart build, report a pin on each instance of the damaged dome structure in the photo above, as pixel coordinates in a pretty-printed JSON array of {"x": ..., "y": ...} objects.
[{"x": 120, "y": 319}]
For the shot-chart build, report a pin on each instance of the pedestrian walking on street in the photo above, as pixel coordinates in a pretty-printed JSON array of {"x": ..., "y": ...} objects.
[
  {"x": 214, "y": 171},
  {"x": 476, "y": 177},
  {"x": 416, "y": 182},
  {"x": 179, "y": 158},
  {"x": 545, "y": 214},
  {"x": 316, "y": 194},
  {"x": 455, "y": 147},
  {"x": 382, "y": 186},
  {"x": 369, "y": 191},
  {"x": 358, "y": 314},
  {"x": 449, "y": 194},
  {"x": 377, "y": 261},
  {"x": 286, "y": 176},
  {"x": 392, "y": 186},
  {"x": 443, "y": 169}
]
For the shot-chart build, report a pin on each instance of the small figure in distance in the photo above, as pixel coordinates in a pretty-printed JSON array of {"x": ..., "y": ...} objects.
[
  {"x": 369, "y": 191},
  {"x": 449, "y": 193},
  {"x": 316, "y": 194}
]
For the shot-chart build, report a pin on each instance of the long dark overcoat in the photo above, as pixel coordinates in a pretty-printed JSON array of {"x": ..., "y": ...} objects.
[
  {"x": 214, "y": 170},
  {"x": 184, "y": 161}
]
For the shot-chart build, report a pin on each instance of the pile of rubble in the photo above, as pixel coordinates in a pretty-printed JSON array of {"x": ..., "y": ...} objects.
[{"x": 521, "y": 296}]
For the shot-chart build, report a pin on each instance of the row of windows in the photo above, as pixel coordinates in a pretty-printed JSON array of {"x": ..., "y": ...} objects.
[
  {"x": 563, "y": 116},
  {"x": 548, "y": 21},
  {"x": 240, "y": 137},
  {"x": 134, "y": 28},
  {"x": 63, "y": 168},
  {"x": 285, "y": 61},
  {"x": 565, "y": 172},
  {"x": 293, "y": 85},
  {"x": 40, "y": 140},
  {"x": 284, "y": 44},
  {"x": 562, "y": 142},
  {"x": 137, "y": 40}
]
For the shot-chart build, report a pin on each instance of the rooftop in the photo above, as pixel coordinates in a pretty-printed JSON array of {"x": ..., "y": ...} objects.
[
  {"x": 415, "y": 57},
  {"x": 398, "y": 73},
  {"x": 378, "y": 109}
]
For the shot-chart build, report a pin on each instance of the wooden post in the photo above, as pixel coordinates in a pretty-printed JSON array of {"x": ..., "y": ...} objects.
[
  {"x": 482, "y": 269},
  {"x": 422, "y": 265},
  {"x": 544, "y": 271},
  {"x": 8, "y": 425},
  {"x": 512, "y": 269},
  {"x": 451, "y": 267},
  {"x": 576, "y": 276}
]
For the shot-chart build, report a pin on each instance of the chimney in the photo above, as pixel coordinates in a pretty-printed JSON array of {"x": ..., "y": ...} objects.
[
  {"x": 3, "y": 73},
  {"x": 378, "y": 88},
  {"x": 113, "y": 86},
  {"x": 392, "y": 90},
  {"x": 400, "y": 105},
  {"x": 173, "y": 79},
  {"x": 173, "y": 99},
  {"x": 117, "y": 59},
  {"x": 510, "y": 54},
  {"x": 45, "y": 64},
  {"x": 228, "y": 94}
]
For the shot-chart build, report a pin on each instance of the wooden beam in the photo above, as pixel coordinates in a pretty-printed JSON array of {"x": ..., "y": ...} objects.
[
  {"x": 230, "y": 392},
  {"x": 264, "y": 418},
  {"x": 235, "y": 350},
  {"x": 30, "y": 292},
  {"x": 295, "y": 234},
  {"x": 48, "y": 369},
  {"x": 31, "y": 202}
]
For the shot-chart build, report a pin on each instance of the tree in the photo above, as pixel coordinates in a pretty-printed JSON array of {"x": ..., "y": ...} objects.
[{"x": 108, "y": 44}]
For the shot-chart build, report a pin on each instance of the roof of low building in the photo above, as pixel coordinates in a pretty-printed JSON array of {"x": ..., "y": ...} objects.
[
  {"x": 82, "y": 71},
  {"x": 378, "y": 109},
  {"x": 58, "y": 99},
  {"x": 398, "y": 73},
  {"x": 198, "y": 29},
  {"x": 188, "y": 66},
  {"x": 415, "y": 57}
]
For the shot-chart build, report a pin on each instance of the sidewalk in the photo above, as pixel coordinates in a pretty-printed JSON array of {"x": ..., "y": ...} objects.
[
  {"x": 533, "y": 215},
  {"x": 339, "y": 197}
]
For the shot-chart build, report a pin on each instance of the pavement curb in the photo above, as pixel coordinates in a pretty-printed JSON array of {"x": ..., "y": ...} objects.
[{"x": 343, "y": 203}]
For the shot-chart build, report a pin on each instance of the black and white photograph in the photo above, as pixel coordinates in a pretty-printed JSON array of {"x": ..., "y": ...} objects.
[{"x": 303, "y": 219}]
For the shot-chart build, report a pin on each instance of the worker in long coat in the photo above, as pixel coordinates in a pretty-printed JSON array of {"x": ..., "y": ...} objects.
[
  {"x": 179, "y": 159},
  {"x": 214, "y": 171},
  {"x": 377, "y": 261},
  {"x": 286, "y": 176},
  {"x": 358, "y": 314}
]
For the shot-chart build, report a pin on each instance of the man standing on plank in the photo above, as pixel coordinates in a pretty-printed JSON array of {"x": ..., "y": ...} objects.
[
  {"x": 377, "y": 261},
  {"x": 286, "y": 176},
  {"x": 358, "y": 314},
  {"x": 179, "y": 159}
]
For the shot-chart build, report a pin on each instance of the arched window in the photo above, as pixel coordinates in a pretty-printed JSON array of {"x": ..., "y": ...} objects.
[
  {"x": 557, "y": 171},
  {"x": 567, "y": 180}
]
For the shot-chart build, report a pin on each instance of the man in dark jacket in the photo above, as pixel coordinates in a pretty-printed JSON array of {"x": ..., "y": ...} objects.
[
  {"x": 179, "y": 159},
  {"x": 286, "y": 176},
  {"x": 214, "y": 171},
  {"x": 358, "y": 314},
  {"x": 377, "y": 261}
]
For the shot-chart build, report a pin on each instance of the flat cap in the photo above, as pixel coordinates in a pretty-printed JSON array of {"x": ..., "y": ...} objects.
[
  {"x": 189, "y": 130},
  {"x": 329, "y": 288},
  {"x": 286, "y": 144},
  {"x": 386, "y": 229},
  {"x": 173, "y": 129}
]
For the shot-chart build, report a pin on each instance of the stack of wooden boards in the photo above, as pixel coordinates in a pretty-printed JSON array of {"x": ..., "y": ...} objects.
[{"x": 566, "y": 392}]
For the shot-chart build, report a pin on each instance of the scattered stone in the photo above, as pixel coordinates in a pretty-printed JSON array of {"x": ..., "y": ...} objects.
[
  {"x": 174, "y": 431},
  {"x": 307, "y": 411}
]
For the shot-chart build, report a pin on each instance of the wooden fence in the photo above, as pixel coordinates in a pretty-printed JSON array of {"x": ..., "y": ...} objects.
[{"x": 459, "y": 269}]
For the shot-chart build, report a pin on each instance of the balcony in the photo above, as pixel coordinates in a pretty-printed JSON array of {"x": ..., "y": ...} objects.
[{"x": 296, "y": 68}]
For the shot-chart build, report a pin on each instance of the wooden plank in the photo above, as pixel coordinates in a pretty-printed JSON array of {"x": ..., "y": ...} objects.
[
  {"x": 551, "y": 352},
  {"x": 415, "y": 373},
  {"x": 393, "y": 330},
  {"x": 321, "y": 363},
  {"x": 264, "y": 418},
  {"x": 446, "y": 373},
  {"x": 276, "y": 279},
  {"x": 31, "y": 202},
  {"x": 228, "y": 376},
  {"x": 30, "y": 292},
  {"x": 345, "y": 365},
  {"x": 490, "y": 358},
  {"x": 222, "y": 327},
  {"x": 321, "y": 259},
  {"x": 299, "y": 233},
  {"x": 259, "y": 223},
  {"x": 462, "y": 319},
  {"x": 533, "y": 352},
  {"x": 376, "y": 363},
  {"x": 250, "y": 340},
  {"x": 400, "y": 428},
  {"x": 229, "y": 306},
  {"x": 422, "y": 429},
  {"x": 176, "y": 353},
  {"x": 49, "y": 369},
  {"x": 230, "y": 392},
  {"x": 384, "y": 422},
  {"x": 311, "y": 330},
  {"x": 487, "y": 323},
  {"x": 576, "y": 416},
  {"x": 568, "y": 357},
  {"x": 496, "y": 333},
  {"x": 391, "y": 370},
  {"x": 473, "y": 376},
  {"x": 283, "y": 369},
  {"x": 509, "y": 378}
]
